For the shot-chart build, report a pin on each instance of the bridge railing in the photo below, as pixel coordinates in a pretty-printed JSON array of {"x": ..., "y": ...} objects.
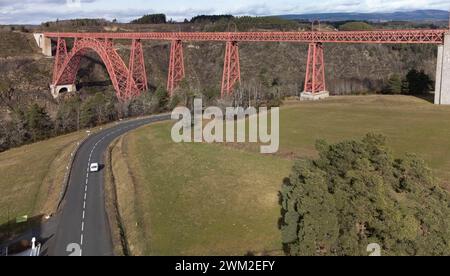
[{"x": 381, "y": 36}]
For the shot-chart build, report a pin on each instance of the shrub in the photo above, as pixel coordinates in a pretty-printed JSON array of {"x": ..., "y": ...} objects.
[{"x": 355, "y": 194}]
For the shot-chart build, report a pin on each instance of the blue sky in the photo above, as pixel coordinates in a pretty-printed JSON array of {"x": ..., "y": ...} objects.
[{"x": 37, "y": 11}]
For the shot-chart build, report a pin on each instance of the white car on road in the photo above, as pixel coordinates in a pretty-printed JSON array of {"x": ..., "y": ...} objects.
[{"x": 94, "y": 167}]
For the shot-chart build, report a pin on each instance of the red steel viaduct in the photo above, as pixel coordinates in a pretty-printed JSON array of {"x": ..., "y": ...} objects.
[{"x": 129, "y": 80}]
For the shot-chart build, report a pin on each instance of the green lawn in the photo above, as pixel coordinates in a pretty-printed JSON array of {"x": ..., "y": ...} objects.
[
  {"x": 198, "y": 199},
  {"x": 203, "y": 199},
  {"x": 31, "y": 179},
  {"x": 410, "y": 124}
]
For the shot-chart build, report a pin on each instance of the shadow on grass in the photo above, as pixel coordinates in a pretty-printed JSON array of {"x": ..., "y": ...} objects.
[
  {"x": 17, "y": 236},
  {"x": 427, "y": 97}
]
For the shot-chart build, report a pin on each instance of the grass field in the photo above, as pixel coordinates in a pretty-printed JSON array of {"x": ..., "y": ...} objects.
[
  {"x": 410, "y": 125},
  {"x": 32, "y": 177},
  {"x": 198, "y": 199}
]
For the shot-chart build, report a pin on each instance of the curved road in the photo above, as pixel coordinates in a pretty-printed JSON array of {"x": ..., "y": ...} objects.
[{"x": 82, "y": 223}]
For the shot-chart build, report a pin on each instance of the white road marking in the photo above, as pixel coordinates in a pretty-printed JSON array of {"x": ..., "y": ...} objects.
[{"x": 88, "y": 170}]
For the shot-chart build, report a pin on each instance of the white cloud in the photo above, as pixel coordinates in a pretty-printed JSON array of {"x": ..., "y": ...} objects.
[{"x": 37, "y": 11}]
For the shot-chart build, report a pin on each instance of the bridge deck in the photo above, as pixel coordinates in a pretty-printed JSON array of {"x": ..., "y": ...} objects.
[{"x": 381, "y": 36}]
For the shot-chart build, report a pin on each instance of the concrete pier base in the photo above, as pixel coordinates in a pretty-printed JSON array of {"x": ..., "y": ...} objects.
[
  {"x": 44, "y": 43},
  {"x": 308, "y": 96},
  {"x": 442, "y": 91},
  {"x": 59, "y": 89}
]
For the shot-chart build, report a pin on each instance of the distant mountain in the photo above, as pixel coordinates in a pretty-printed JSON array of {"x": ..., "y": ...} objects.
[{"x": 419, "y": 15}]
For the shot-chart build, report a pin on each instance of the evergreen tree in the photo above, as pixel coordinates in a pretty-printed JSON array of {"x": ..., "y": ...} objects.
[
  {"x": 355, "y": 194},
  {"x": 162, "y": 97},
  {"x": 151, "y": 19},
  {"x": 88, "y": 114},
  {"x": 394, "y": 85},
  {"x": 39, "y": 123},
  {"x": 418, "y": 82}
]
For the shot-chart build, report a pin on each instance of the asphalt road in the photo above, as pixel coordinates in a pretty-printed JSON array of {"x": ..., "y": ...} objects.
[{"x": 83, "y": 228}]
